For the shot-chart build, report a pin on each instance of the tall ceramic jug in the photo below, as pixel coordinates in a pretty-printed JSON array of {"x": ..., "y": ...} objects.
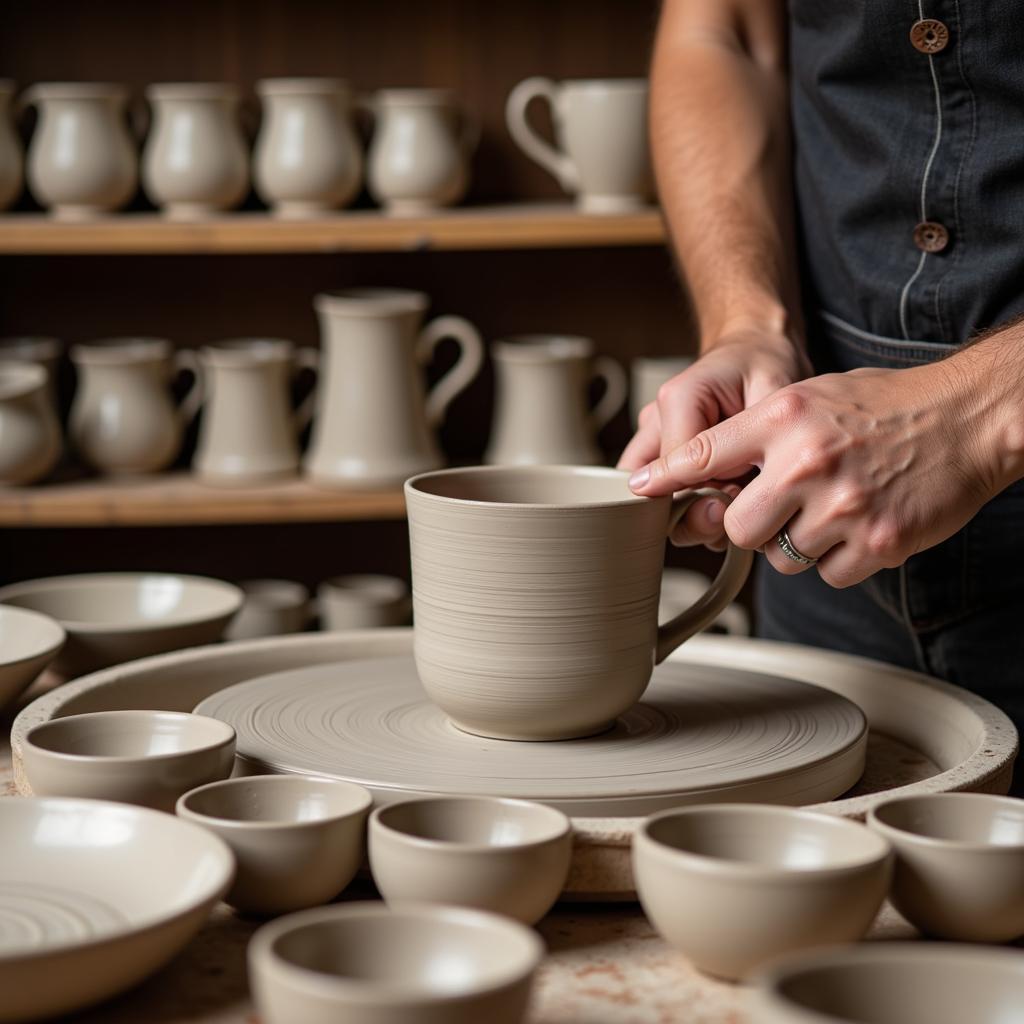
[
  {"x": 541, "y": 414},
  {"x": 248, "y": 430},
  {"x": 123, "y": 419},
  {"x": 196, "y": 161},
  {"x": 308, "y": 158},
  {"x": 29, "y": 431},
  {"x": 11, "y": 162},
  {"x": 374, "y": 426},
  {"x": 81, "y": 160},
  {"x": 419, "y": 154}
]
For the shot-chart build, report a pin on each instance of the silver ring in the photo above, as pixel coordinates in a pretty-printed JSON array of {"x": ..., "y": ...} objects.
[{"x": 791, "y": 551}]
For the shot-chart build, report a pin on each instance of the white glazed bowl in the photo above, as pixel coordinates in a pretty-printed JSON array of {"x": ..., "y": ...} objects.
[{"x": 29, "y": 641}]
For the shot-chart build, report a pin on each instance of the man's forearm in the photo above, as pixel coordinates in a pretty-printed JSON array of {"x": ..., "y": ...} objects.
[{"x": 719, "y": 130}]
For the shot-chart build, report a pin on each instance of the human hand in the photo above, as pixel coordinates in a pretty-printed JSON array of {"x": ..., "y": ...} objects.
[
  {"x": 739, "y": 370},
  {"x": 863, "y": 469}
]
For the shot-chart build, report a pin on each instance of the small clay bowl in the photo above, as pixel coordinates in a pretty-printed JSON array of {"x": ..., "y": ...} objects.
[
  {"x": 364, "y": 963},
  {"x": 297, "y": 841},
  {"x": 507, "y": 856},
  {"x": 734, "y": 885},
  {"x": 147, "y": 758},
  {"x": 892, "y": 983},
  {"x": 959, "y": 863},
  {"x": 29, "y": 641}
]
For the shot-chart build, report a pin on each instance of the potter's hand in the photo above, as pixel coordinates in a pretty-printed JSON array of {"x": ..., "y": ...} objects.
[
  {"x": 862, "y": 468},
  {"x": 736, "y": 372}
]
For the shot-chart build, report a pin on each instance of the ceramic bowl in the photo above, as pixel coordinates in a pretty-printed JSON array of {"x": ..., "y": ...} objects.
[
  {"x": 147, "y": 758},
  {"x": 95, "y": 896},
  {"x": 363, "y": 963},
  {"x": 297, "y": 841},
  {"x": 507, "y": 856},
  {"x": 120, "y": 616},
  {"x": 892, "y": 983},
  {"x": 959, "y": 871},
  {"x": 733, "y": 885},
  {"x": 363, "y": 602},
  {"x": 271, "y": 608},
  {"x": 29, "y": 641}
]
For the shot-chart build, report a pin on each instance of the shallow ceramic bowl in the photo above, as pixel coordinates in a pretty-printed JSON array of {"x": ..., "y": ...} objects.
[
  {"x": 114, "y": 617},
  {"x": 147, "y": 758},
  {"x": 95, "y": 896},
  {"x": 893, "y": 983},
  {"x": 29, "y": 641},
  {"x": 959, "y": 870},
  {"x": 733, "y": 885},
  {"x": 363, "y": 963},
  {"x": 508, "y": 856},
  {"x": 297, "y": 841}
]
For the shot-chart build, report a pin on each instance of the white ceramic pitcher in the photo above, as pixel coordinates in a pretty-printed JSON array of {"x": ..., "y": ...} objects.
[
  {"x": 29, "y": 431},
  {"x": 308, "y": 158},
  {"x": 11, "y": 161},
  {"x": 540, "y": 412},
  {"x": 81, "y": 160},
  {"x": 374, "y": 426},
  {"x": 122, "y": 418},
  {"x": 248, "y": 430}
]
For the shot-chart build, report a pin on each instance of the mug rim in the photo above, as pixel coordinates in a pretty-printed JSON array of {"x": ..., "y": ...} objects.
[
  {"x": 427, "y": 95},
  {"x": 606, "y": 83},
  {"x": 298, "y": 85},
  {"x": 371, "y": 301},
  {"x": 20, "y": 377},
  {"x": 538, "y": 347},
  {"x": 17, "y": 346},
  {"x": 127, "y": 349},
  {"x": 191, "y": 91},
  {"x": 77, "y": 90},
  {"x": 246, "y": 351}
]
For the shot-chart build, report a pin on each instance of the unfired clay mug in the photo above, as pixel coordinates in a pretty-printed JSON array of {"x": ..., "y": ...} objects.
[
  {"x": 81, "y": 161},
  {"x": 535, "y": 594},
  {"x": 248, "y": 430},
  {"x": 540, "y": 412},
  {"x": 29, "y": 431},
  {"x": 11, "y": 160},
  {"x": 602, "y": 152},
  {"x": 419, "y": 155},
  {"x": 308, "y": 158},
  {"x": 122, "y": 417},
  {"x": 374, "y": 426},
  {"x": 647, "y": 374},
  {"x": 196, "y": 161}
]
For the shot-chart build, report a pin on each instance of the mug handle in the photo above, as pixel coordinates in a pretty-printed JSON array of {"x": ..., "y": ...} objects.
[
  {"x": 462, "y": 373},
  {"x": 727, "y": 584},
  {"x": 26, "y": 98},
  {"x": 185, "y": 361},
  {"x": 615, "y": 391},
  {"x": 529, "y": 141},
  {"x": 307, "y": 359}
]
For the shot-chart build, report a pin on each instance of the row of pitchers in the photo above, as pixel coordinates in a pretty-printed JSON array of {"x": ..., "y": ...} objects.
[
  {"x": 308, "y": 159},
  {"x": 373, "y": 421}
]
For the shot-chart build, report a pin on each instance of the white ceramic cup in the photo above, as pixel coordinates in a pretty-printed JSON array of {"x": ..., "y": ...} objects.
[
  {"x": 271, "y": 608},
  {"x": 363, "y": 601},
  {"x": 647, "y": 374}
]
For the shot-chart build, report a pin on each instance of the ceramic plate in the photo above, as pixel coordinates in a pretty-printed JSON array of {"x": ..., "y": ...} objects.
[{"x": 699, "y": 734}]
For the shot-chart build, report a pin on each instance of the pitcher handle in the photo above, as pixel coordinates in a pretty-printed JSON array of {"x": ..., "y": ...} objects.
[
  {"x": 462, "y": 373},
  {"x": 616, "y": 390},
  {"x": 307, "y": 358},
  {"x": 528, "y": 139},
  {"x": 185, "y": 361},
  {"x": 726, "y": 585}
]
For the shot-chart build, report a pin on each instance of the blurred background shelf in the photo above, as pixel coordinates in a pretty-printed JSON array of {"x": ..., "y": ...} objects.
[
  {"x": 178, "y": 499},
  {"x": 509, "y": 226}
]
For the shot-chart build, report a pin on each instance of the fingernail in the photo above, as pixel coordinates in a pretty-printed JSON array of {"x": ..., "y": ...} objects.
[
  {"x": 715, "y": 513},
  {"x": 640, "y": 478}
]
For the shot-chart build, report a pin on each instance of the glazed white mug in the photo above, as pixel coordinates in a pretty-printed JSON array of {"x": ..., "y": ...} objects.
[
  {"x": 29, "y": 431},
  {"x": 308, "y": 158},
  {"x": 535, "y": 594},
  {"x": 81, "y": 160},
  {"x": 11, "y": 159},
  {"x": 540, "y": 410},
  {"x": 602, "y": 152},
  {"x": 647, "y": 374},
  {"x": 196, "y": 161}
]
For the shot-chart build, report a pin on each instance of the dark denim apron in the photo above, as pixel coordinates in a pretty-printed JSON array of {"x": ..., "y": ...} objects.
[{"x": 909, "y": 157}]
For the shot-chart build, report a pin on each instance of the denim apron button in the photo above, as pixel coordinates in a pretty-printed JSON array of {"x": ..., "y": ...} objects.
[
  {"x": 929, "y": 35},
  {"x": 930, "y": 237}
]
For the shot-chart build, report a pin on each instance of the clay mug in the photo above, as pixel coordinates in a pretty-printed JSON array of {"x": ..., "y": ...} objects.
[
  {"x": 81, "y": 160},
  {"x": 540, "y": 412},
  {"x": 40, "y": 350},
  {"x": 601, "y": 153},
  {"x": 122, "y": 418},
  {"x": 29, "y": 431},
  {"x": 308, "y": 159},
  {"x": 248, "y": 431},
  {"x": 11, "y": 159},
  {"x": 271, "y": 608},
  {"x": 196, "y": 161},
  {"x": 535, "y": 595},
  {"x": 363, "y": 601},
  {"x": 374, "y": 425},
  {"x": 419, "y": 154},
  {"x": 647, "y": 374}
]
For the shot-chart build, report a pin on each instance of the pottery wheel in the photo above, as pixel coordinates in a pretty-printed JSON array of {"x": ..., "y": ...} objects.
[{"x": 700, "y": 733}]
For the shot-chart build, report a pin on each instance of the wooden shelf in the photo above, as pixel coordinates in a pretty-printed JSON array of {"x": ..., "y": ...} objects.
[
  {"x": 519, "y": 226},
  {"x": 178, "y": 499}
]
